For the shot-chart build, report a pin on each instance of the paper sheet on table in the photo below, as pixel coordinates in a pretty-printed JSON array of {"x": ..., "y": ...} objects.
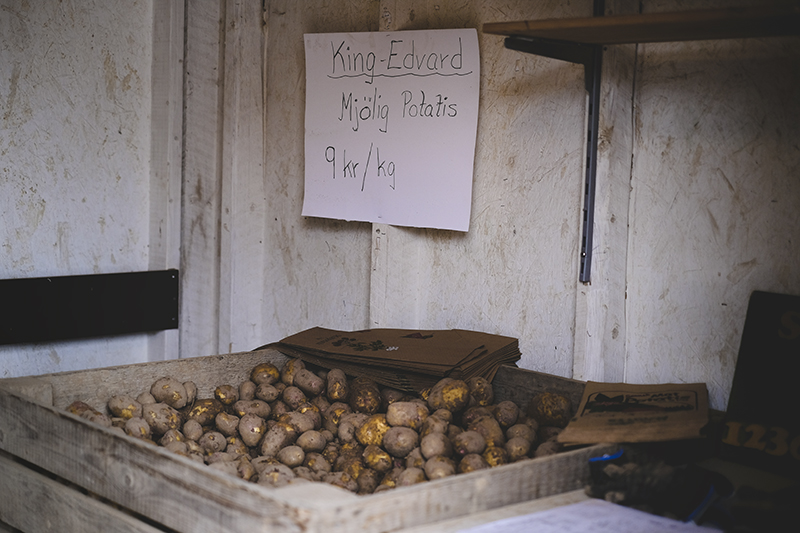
[
  {"x": 390, "y": 126},
  {"x": 590, "y": 516}
]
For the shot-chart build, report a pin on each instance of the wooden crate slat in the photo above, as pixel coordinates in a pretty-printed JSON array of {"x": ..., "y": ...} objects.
[{"x": 33, "y": 502}]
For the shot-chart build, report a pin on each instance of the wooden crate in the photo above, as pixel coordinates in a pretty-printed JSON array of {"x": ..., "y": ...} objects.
[{"x": 61, "y": 472}]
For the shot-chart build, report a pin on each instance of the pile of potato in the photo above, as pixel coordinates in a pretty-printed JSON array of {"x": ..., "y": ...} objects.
[{"x": 293, "y": 424}]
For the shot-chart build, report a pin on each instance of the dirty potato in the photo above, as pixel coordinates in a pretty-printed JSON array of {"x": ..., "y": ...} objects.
[
  {"x": 481, "y": 390},
  {"x": 123, "y": 406},
  {"x": 365, "y": 396},
  {"x": 550, "y": 409},
  {"x": 309, "y": 382},
  {"x": 169, "y": 391},
  {"x": 406, "y": 414},
  {"x": 337, "y": 388},
  {"x": 448, "y": 393},
  {"x": 399, "y": 441}
]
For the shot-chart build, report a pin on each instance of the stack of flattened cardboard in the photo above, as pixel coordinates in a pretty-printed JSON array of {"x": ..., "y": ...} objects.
[{"x": 404, "y": 359}]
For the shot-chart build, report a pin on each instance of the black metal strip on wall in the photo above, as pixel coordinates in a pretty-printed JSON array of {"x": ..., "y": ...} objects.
[{"x": 100, "y": 305}]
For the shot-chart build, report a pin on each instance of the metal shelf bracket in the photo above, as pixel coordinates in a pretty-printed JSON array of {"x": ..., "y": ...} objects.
[{"x": 591, "y": 57}]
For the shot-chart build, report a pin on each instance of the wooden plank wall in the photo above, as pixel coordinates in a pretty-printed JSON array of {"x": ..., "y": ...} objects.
[{"x": 696, "y": 204}]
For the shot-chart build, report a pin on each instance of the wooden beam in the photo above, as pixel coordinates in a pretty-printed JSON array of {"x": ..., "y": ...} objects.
[{"x": 730, "y": 23}]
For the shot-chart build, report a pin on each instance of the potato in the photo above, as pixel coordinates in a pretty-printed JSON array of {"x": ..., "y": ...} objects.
[
  {"x": 275, "y": 475},
  {"x": 521, "y": 430},
  {"x": 226, "y": 424},
  {"x": 124, "y": 406},
  {"x": 548, "y": 433},
  {"x": 169, "y": 391},
  {"x": 414, "y": 459},
  {"x": 331, "y": 451},
  {"x": 372, "y": 430},
  {"x": 236, "y": 446},
  {"x": 469, "y": 442},
  {"x": 433, "y": 424},
  {"x": 406, "y": 414},
  {"x": 341, "y": 479},
  {"x": 310, "y": 410},
  {"x": 247, "y": 390},
  {"x": 145, "y": 398},
  {"x": 453, "y": 431},
  {"x": 365, "y": 396},
  {"x": 213, "y": 441},
  {"x": 389, "y": 396},
  {"x": 278, "y": 409},
  {"x": 450, "y": 394},
  {"x": 399, "y": 441},
  {"x": 137, "y": 427},
  {"x": 306, "y": 473},
  {"x": 351, "y": 464},
  {"x": 490, "y": 429},
  {"x": 266, "y": 392},
  {"x": 549, "y": 447},
  {"x": 348, "y": 425},
  {"x": 495, "y": 456},
  {"x": 178, "y": 447},
  {"x": 293, "y": 397},
  {"x": 252, "y": 429},
  {"x": 321, "y": 403},
  {"x": 438, "y": 467},
  {"x": 308, "y": 382},
  {"x": 191, "y": 392},
  {"x": 299, "y": 421},
  {"x": 265, "y": 373},
  {"x": 98, "y": 418},
  {"x": 411, "y": 476},
  {"x": 472, "y": 462},
  {"x": 444, "y": 414},
  {"x": 377, "y": 459},
  {"x": 332, "y": 416},
  {"x": 435, "y": 444},
  {"x": 172, "y": 435},
  {"x": 245, "y": 468},
  {"x": 161, "y": 418},
  {"x": 259, "y": 408},
  {"x": 517, "y": 448},
  {"x": 277, "y": 437},
  {"x": 205, "y": 411},
  {"x": 506, "y": 414},
  {"x": 472, "y": 414},
  {"x": 192, "y": 430},
  {"x": 317, "y": 463},
  {"x": 481, "y": 390},
  {"x": 289, "y": 369},
  {"x": 550, "y": 409},
  {"x": 291, "y": 456},
  {"x": 337, "y": 388},
  {"x": 311, "y": 441},
  {"x": 368, "y": 481}
]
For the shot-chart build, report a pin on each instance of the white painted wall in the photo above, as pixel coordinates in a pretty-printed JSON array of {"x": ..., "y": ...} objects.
[
  {"x": 76, "y": 161},
  {"x": 715, "y": 201}
]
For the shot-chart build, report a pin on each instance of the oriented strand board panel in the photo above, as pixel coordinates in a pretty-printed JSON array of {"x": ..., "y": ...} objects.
[{"x": 715, "y": 210}]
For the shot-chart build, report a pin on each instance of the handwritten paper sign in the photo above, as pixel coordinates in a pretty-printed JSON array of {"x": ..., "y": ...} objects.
[{"x": 391, "y": 120}]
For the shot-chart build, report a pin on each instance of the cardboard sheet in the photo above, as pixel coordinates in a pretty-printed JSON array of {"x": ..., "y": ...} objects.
[
  {"x": 405, "y": 359},
  {"x": 620, "y": 412}
]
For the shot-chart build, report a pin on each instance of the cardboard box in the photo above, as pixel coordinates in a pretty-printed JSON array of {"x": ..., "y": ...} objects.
[{"x": 62, "y": 471}]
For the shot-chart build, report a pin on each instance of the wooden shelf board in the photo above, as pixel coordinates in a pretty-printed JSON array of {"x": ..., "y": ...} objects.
[{"x": 731, "y": 23}]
